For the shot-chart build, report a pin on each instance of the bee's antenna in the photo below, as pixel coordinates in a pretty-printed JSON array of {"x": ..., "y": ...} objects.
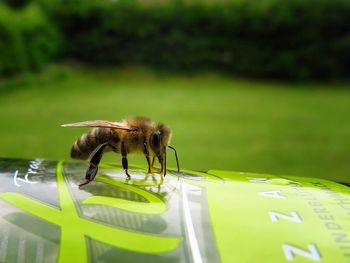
[{"x": 177, "y": 160}]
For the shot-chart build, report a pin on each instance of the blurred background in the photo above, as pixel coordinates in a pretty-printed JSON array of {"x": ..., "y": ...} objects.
[{"x": 254, "y": 86}]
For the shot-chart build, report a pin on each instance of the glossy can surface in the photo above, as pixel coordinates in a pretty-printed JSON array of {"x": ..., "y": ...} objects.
[{"x": 218, "y": 216}]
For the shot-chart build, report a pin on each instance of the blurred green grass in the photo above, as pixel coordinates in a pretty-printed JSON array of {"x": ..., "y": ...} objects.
[{"x": 217, "y": 122}]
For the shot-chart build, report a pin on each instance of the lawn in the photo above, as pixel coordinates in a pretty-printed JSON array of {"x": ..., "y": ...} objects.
[{"x": 218, "y": 122}]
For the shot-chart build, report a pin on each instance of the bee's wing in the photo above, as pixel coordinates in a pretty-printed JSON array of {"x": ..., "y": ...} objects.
[{"x": 100, "y": 123}]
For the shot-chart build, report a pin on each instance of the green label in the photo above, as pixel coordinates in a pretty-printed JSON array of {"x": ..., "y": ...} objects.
[
  {"x": 218, "y": 216},
  {"x": 262, "y": 218}
]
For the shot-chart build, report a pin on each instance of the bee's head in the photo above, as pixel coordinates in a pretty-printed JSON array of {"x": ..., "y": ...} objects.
[{"x": 159, "y": 139}]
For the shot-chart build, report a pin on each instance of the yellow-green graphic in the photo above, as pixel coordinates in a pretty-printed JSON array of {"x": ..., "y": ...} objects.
[
  {"x": 154, "y": 206},
  {"x": 75, "y": 229}
]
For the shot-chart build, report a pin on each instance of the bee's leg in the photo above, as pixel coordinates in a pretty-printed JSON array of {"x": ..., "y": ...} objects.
[
  {"x": 161, "y": 161},
  {"x": 93, "y": 167},
  {"x": 153, "y": 160},
  {"x": 145, "y": 151},
  {"x": 164, "y": 163},
  {"x": 124, "y": 159}
]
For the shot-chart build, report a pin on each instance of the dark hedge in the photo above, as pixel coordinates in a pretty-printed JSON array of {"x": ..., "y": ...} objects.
[
  {"x": 28, "y": 40},
  {"x": 294, "y": 39},
  {"x": 16, "y": 4}
]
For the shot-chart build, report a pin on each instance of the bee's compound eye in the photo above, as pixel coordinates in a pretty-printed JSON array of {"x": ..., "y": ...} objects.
[{"x": 156, "y": 138}]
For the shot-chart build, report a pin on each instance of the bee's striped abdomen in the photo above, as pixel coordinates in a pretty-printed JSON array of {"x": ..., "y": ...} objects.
[{"x": 88, "y": 142}]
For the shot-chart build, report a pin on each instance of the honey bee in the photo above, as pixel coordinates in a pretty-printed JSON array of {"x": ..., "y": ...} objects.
[{"x": 132, "y": 135}]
